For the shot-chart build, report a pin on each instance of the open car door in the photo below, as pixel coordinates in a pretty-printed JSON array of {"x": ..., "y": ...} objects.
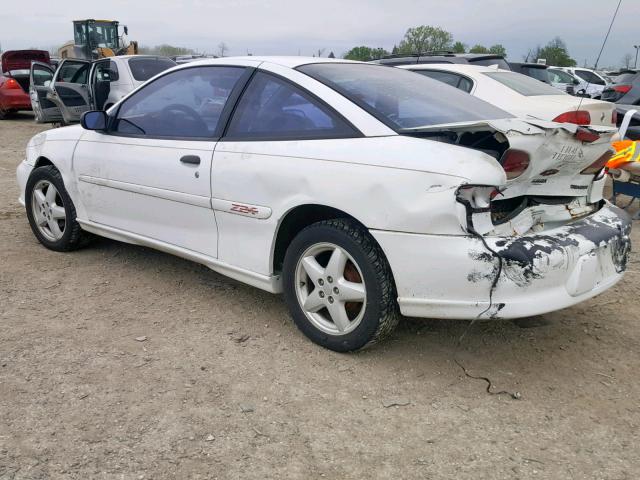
[
  {"x": 40, "y": 82},
  {"x": 70, "y": 90}
]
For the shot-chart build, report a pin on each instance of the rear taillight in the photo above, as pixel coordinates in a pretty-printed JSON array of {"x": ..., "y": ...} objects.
[
  {"x": 621, "y": 88},
  {"x": 585, "y": 135},
  {"x": 614, "y": 117},
  {"x": 514, "y": 163},
  {"x": 10, "y": 84},
  {"x": 579, "y": 117},
  {"x": 599, "y": 164}
]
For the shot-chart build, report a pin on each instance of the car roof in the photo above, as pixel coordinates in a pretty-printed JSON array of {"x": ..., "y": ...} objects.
[
  {"x": 466, "y": 68},
  {"x": 290, "y": 62}
]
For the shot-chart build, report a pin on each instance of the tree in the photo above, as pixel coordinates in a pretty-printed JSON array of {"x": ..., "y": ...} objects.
[
  {"x": 626, "y": 60},
  {"x": 222, "y": 49},
  {"x": 498, "y": 49},
  {"x": 365, "y": 54},
  {"x": 459, "y": 47},
  {"x": 424, "y": 39},
  {"x": 477, "y": 48},
  {"x": 331, "y": 55},
  {"x": 165, "y": 50},
  {"x": 555, "y": 53}
]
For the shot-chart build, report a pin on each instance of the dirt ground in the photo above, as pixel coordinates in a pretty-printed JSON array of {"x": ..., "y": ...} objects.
[{"x": 119, "y": 362}]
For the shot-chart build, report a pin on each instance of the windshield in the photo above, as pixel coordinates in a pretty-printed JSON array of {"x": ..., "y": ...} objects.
[
  {"x": 97, "y": 34},
  {"x": 143, "y": 68},
  {"x": 558, "y": 76},
  {"x": 399, "y": 98},
  {"x": 527, "y": 86},
  {"x": 537, "y": 73}
]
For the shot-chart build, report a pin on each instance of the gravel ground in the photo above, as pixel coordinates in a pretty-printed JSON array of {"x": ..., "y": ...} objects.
[{"x": 117, "y": 361}]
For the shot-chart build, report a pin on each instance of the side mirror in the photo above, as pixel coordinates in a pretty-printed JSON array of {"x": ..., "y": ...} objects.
[{"x": 94, "y": 120}]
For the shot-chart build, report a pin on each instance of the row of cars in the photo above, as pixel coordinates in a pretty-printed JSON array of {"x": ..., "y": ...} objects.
[
  {"x": 62, "y": 91},
  {"x": 359, "y": 191}
]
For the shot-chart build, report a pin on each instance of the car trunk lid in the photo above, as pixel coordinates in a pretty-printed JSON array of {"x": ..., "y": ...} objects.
[{"x": 21, "y": 59}]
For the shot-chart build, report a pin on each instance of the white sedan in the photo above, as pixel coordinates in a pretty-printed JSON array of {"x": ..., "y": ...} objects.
[
  {"x": 519, "y": 94},
  {"x": 359, "y": 191}
]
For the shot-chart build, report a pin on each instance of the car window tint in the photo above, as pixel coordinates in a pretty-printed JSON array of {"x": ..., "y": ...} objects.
[
  {"x": 186, "y": 103},
  {"x": 272, "y": 108},
  {"x": 399, "y": 98},
  {"x": 449, "y": 78},
  {"x": 145, "y": 68},
  {"x": 522, "y": 84},
  {"x": 540, "y": 74},
  {"x": 73, "y": 72}
]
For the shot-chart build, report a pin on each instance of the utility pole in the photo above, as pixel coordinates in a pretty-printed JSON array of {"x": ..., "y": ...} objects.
[{"x": 637, "y": 47}]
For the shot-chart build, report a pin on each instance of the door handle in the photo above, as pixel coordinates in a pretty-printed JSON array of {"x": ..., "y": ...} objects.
[{"x": 191, "y": 159}]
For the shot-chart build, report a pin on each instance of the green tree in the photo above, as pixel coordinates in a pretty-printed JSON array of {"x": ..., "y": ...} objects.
[
  {"x": 498, "y": 49},
  {"x": 555, "y": 53},
  {"x": 166, "y": 50},
  {"x": 477, "y": 48},
  {"x": 424, "y": 39},
  {"x": 365, "y": 54},
  {"x": 459, "y": 47}
]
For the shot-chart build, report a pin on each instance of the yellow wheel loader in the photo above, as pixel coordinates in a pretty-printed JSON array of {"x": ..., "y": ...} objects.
[{"x": 93, "y": 39}]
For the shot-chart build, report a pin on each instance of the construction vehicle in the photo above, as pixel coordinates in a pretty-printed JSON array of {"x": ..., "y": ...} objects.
[{"x": 93, "y": 39}]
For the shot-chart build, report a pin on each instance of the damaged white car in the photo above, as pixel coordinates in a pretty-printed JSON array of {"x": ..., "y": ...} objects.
[{"x": 359, "y": 191}]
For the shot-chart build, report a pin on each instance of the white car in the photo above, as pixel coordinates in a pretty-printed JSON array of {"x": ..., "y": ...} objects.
[
  {"x": 597, "y": 83},
  {"x": 565, "y": 80},
  {"x": 357, "y": 190},
  {"x": 76, "y": 86},
  {"x": 519, "y": 94}
]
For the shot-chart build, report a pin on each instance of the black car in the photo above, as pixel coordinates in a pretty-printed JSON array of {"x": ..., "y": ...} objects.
[
  {"x": 483, "y": 59},
  {"x": 533, "y": 70},
  {"x": 625, "y": 90}
]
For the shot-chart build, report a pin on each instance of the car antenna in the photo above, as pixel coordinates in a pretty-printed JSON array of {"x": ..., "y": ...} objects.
[{"x": 606, "y": 37}]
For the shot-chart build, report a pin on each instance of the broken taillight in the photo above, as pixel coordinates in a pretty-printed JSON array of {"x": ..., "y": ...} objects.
[
  {"x": 586, "y": 136},
  {"x": 614, "y": 117},
  {"x": 579, "y": 117},
  {"x": 599, "y": 164},
  {"x": 514, "y": 163}
]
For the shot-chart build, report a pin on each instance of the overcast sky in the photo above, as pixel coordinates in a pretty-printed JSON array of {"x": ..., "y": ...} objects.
[{"x": 289, "y": 27}]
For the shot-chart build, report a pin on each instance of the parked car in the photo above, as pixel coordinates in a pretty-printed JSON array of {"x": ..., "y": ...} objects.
[
  {"x": 565, "y": 82},
  {"x": 14, "y": 79},
  {"x": 533, "y": 70},
  {"x": 357, "y": 190},
  {"x": 76, "y": 86},
  {"x": 484, "y": 59},
  {"x": 597, "y": 82},
  {"x": 626, "y": 90},
  {"x": 520, "y": 95}
]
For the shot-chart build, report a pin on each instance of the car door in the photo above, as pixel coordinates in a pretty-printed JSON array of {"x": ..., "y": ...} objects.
[
  {"x": 40, "y": 81},
  {"x": 149, "y": 174},
  {"x": 70, "y": 89}
]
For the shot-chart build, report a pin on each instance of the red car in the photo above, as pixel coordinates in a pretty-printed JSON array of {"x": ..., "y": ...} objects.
[{"x": 14, "y": 79}]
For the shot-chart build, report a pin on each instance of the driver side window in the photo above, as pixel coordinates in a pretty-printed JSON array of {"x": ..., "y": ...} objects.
[{"x": 186, "y": 104}]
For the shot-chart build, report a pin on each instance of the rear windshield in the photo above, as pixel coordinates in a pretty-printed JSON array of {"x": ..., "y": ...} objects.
[
  {"x": 400, "y": 98},
  {"x": 540, "y": 74},
  {"x": 527, "y": 86},
  {"x": 143, "y": 69}
]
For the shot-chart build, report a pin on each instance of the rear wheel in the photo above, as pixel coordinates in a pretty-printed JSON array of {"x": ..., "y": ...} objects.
[
  {"x": 338, "y": 286},
  {"x": 51, "y": 212}
]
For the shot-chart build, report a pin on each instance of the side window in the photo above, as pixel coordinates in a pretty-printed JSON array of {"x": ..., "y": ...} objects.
[
  {"x": 274, "y": 109},
  {"x": 453, "y": 79},
  {"x": 186, "y": 103},
  {"x": 107, "y": 71},
  {"x": 42, "y": 76},
  {"x": 73, "y": 72},
  {"x": 590, "y": 77}
]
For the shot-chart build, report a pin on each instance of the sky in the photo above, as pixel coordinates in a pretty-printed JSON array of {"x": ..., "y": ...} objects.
[{"x": 292, "y": 27}]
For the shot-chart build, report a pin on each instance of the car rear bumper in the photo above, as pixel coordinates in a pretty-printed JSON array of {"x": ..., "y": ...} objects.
[
  {"x": 444, "y": 276},
  {"x": 15, "y": 100}
]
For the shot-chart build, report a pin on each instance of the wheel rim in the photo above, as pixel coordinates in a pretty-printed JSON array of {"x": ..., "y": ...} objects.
[
  {"x": 330, "y": 289},
  {"x": 48, "y": 210}
]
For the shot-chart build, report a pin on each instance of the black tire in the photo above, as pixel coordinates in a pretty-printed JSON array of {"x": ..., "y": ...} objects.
[
  {"x": 73, "y": 237},
  {"x": 4, "y": 113},
  {"x": 381, "y": 313}
]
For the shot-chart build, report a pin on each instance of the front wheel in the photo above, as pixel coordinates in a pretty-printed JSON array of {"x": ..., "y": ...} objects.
[
  {"x": 339, "y": 287},
  {"x": 51, "y": 212}
]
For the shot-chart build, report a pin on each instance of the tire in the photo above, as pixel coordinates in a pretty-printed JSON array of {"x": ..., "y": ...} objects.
[
  {"x": 3, "y": 113},
  {"x": 315, "y": 299},
  {"x": 41, "y": 209}
]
